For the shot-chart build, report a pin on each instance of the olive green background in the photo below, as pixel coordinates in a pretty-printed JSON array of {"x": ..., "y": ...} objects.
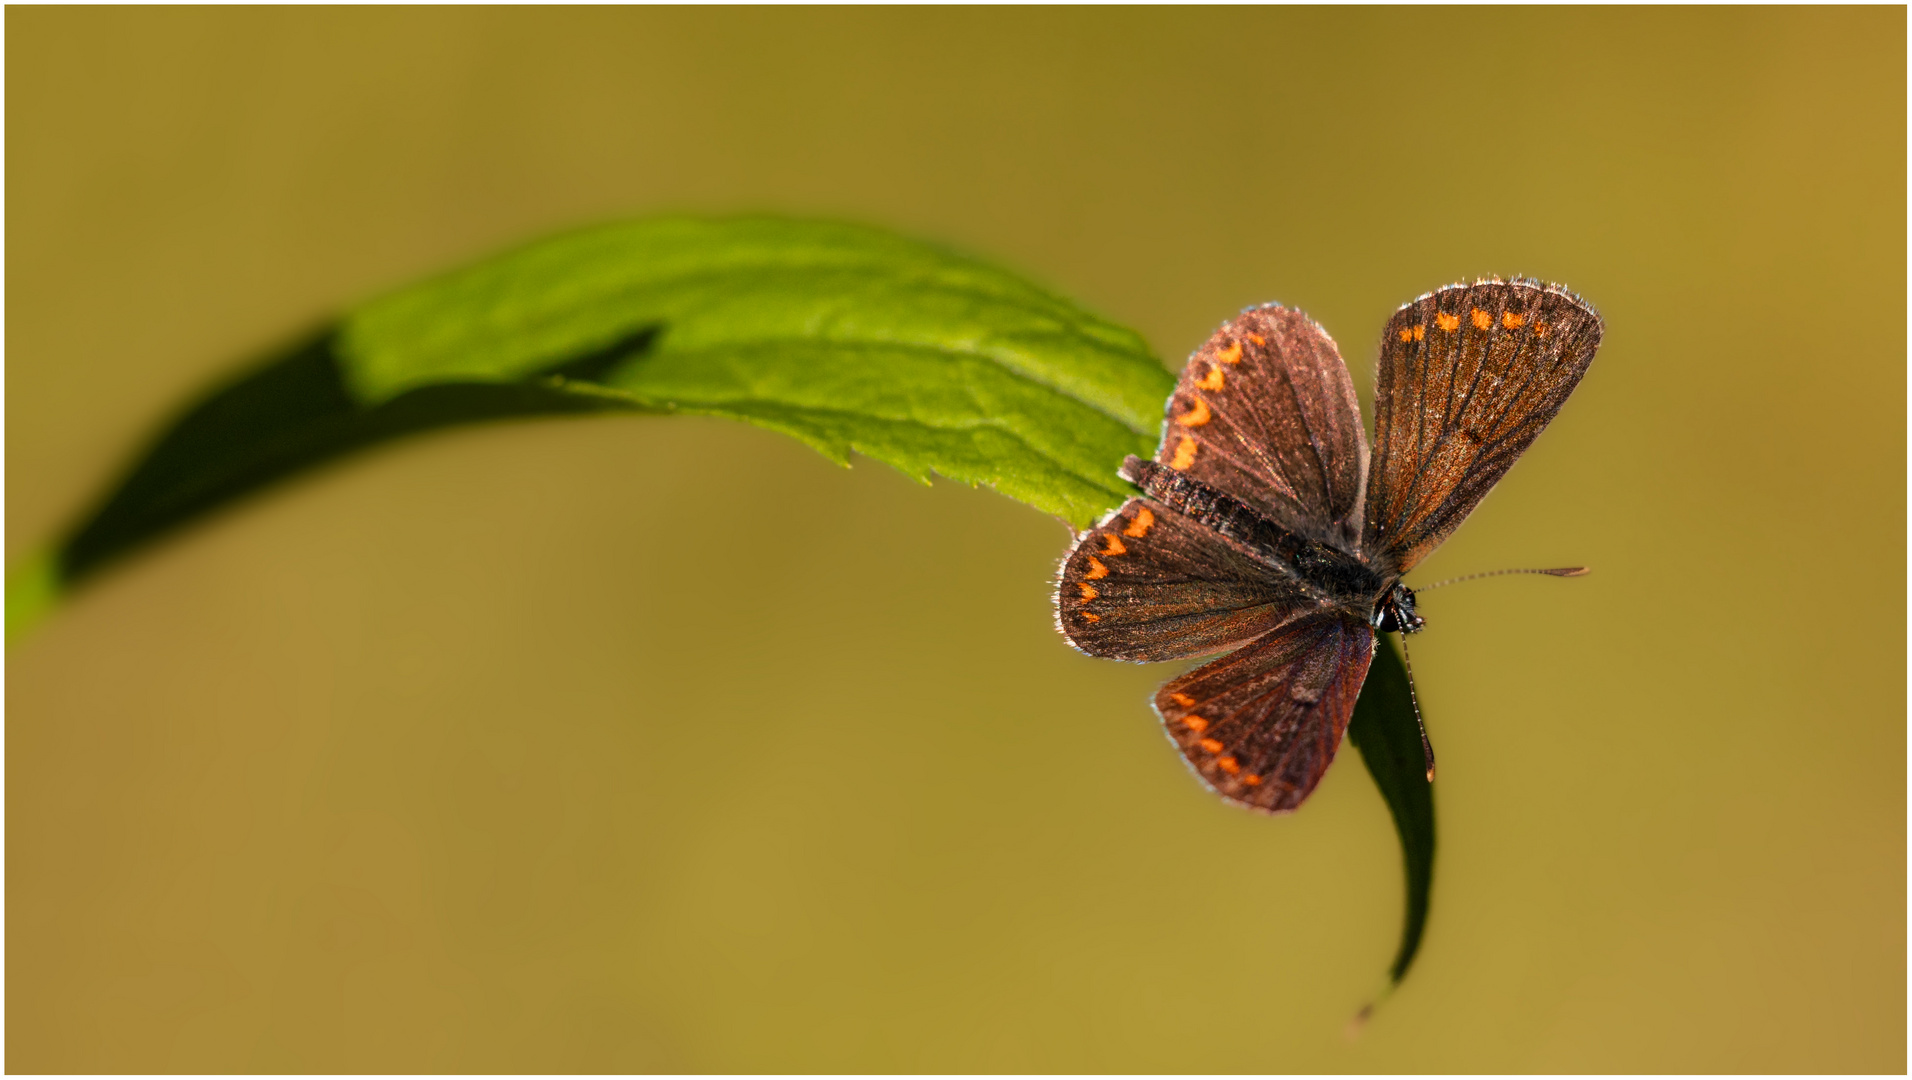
[{"x": 664, "y": 744}]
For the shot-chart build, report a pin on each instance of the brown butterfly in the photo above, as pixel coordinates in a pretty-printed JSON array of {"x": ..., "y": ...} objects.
[{"x": 1263, "y": 532}]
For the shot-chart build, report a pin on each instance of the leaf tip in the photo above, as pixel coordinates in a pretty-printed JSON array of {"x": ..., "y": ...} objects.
[
  {"x": 33, "y": 590},
  {"x": 1357, "y": 1022}
]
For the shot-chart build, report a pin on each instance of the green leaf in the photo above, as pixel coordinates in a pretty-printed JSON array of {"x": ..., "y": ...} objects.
[
  {"x": 849, "y": 338},
  {"x": 846, "y": 337},
  {"x": 1385, "y": 730}
]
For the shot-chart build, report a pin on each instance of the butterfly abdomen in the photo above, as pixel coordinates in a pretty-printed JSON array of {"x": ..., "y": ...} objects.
[{"x": 1324, "y": 569}]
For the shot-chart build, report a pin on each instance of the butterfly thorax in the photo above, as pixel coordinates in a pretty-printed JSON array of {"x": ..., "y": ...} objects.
[{"x": 1333, "y": 575}]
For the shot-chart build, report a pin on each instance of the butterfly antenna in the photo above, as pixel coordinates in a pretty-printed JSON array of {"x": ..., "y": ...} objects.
[
  {"x": 1558, "y": 571},
  {"x": 1427, "y": 748}
]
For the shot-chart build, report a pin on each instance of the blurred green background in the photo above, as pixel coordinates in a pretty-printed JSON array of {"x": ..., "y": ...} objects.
[{"x": 664, "y": 744}]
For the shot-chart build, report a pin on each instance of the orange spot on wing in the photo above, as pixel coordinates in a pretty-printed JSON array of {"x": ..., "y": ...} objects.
[
  {"x": 1229, "y": 765},
  {"x": 1447, "y": 322},
  {"x": 1184, "y": 454},
  {"x": 1112, "y": 545},
  {"x": 1482, "y": 320},
  {"x": 1182, "y": 699},
  {"x": 1407, "y": 334},
  {"x": 1088, "y": 591},
  {"x": 1213, "y": 746},
  {"x": 1231, "y": 354},
  {"x": 1195, "y": 724},
  {"x": 1258, "y": 339},
  {"x": 1512, "y": 320},
  {"x": 1213, "y": 380},
  {"x": 1196, "y": 416},
  {"x": 1139, "y": 526},
  {"x": 1090, "y": 616},
  {"x": 1251, "y": 780},
  {"x": 1096, "y": 569},
  {"x": 1541, "y": 329},
  {"x": 1420, "y": 332}
]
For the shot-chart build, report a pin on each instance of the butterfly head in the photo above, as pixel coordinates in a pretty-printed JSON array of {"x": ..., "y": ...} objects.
[{"x": 1395, "y": 613}]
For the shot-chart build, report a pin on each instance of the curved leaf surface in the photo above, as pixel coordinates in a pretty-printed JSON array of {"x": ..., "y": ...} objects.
[{"x": 846, "y": 337}]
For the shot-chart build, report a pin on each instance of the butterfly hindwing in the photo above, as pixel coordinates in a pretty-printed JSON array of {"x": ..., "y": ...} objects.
[
  {"x": 1261, "y": 725},
  {"x": 1150, "y": 584},
  {"x": 1468, "y": 376},
  {"x": 1265, "y": 412}
]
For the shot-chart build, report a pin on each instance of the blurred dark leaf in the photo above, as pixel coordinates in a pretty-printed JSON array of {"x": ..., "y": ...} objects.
[{"x": 289, "y": 414}]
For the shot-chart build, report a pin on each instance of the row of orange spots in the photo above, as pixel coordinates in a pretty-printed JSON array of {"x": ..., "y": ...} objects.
[
  {"x": 1139, "y": 526},
  {"x": 1198, "y": 725},
  {"x": 1088, "y": 591},
  {"x": 1184, "y": 454},
  {"x": 1197, "y": 414},
  {"x": 1512, "y": 320}
]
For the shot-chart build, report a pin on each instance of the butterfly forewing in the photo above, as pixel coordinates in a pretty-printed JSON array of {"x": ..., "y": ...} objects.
[
  {"x": 1468, "y": 376},
  {"x": 1150, "y": 584},
  {"x": 1265, "y": 412},
  {"x": 1261, "y": 725}
]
